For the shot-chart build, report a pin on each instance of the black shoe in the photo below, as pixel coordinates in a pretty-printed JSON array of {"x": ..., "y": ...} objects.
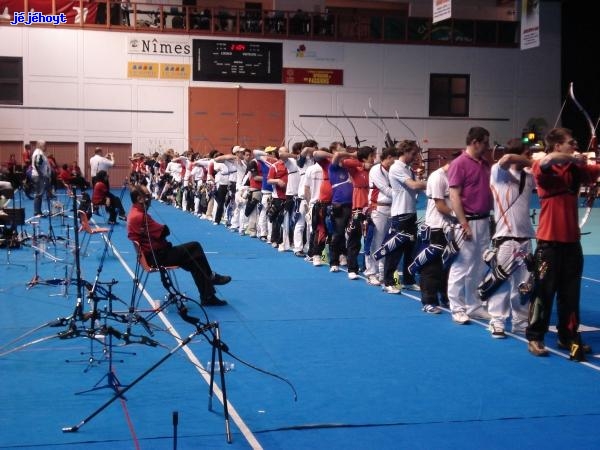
[
  {"x": 220, "y": 279},
  {"x": 213, "y": 301},
  {"x": 584, "y": 347},
  {"x": 300, "y": 254}
]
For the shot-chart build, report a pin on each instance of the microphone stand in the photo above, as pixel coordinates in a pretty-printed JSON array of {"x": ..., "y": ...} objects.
[
  {"x": 36, "y": 254},
  {"x": 112, "y": 382}
]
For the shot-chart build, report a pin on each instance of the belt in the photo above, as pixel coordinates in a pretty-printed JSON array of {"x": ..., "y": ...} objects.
[
  {"x": 555, "y": 243},
  {"x": 470, "y": 217},
  {"x": 497, "y": 242},
  {"x": 380, "y": 204}
]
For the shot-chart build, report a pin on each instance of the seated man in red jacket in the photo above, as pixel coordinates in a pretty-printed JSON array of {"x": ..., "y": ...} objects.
[
  {"x": 101, "y": 196},
  {"x": 151, "y": 236}
]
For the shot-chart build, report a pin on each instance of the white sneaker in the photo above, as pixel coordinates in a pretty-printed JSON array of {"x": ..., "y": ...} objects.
[
  {"x": 373, "y": 280},
  {"x": 460, "y": 317},
  {"x": 334, "y": 269},
  {"x": 480, "y": 314},
  {"x": 343, "y": 260},
  {"x": 352, "y": 276},
  {"x": 431, "y": 309},
  {"x": 413, "y": 287},
  {"x": 316, "y": 261},
  {"x": 391, "y": 289}
]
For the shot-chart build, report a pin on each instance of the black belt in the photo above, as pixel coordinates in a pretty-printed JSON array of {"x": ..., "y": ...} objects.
[
  {"x": 497, "y": 242},
  {"x": 555, "y": 243},
  {"x": 470, "y": 217}
]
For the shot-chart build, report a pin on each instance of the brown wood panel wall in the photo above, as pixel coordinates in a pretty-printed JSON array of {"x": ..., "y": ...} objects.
[
  {"x": 63, "y": 152},
  {"x": 122, "y": 168},
  {"x": 223, "y": 117},
  {"x": 9, "y": 147}
]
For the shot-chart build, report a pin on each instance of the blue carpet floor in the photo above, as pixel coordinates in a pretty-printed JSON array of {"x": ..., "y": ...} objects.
[{"x": 370, "y": 370}]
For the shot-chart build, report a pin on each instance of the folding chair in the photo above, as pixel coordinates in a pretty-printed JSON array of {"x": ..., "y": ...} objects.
[
  {"x": 143, "y": 265},
  {"x": 85, "y": 227}
]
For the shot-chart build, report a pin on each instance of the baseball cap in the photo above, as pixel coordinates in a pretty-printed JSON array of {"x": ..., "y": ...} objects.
[{"x": 270, "y": 149}]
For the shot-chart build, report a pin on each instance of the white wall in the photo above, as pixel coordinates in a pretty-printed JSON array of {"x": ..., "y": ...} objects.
[{"x": 71, "y": 68}]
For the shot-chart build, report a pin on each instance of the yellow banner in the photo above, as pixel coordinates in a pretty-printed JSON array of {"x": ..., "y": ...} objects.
[
  {"x": 142, "y": 70},
  {"x": 175, "y": 71}
]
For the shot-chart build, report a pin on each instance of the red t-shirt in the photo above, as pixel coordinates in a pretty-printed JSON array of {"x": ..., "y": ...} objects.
[
  {"x": 325, "y": 191},
  {"x": 360, "y": 180},
  {"x": 558, "y": 189},
  {"x": 279, "y": 171}
]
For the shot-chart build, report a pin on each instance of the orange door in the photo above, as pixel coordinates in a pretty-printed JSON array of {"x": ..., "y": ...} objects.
[
  {"x": 261, "y": 117},
  {"x": 220, "y": 118}
]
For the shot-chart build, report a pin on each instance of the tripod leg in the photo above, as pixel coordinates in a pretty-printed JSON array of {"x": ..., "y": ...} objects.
[
  {"x": 218, "y": 352},
  {"x": 183, "y": 343}
]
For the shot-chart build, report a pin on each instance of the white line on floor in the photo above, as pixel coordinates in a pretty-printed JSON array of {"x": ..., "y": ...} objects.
[{"x": 192, "y": 357}]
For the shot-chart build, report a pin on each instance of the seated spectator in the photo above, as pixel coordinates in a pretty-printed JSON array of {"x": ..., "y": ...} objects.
[
  {"x": 152, "y": 239},
  {"x": 102, "y": 196}
]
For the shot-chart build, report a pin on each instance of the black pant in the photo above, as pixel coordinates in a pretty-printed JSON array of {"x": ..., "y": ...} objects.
[
  {"x": 340, "y": 216},
  {"x": 353, "y": 242},
  {"x": 220, "y": 199},
  {"x": 408, "y": 224},
  {"x": 275, "y": 216},
  {"x": 434, "y": 279},
  {"x": 558, "y": 270},
  {"x": 190, "y": 257},
  {"x": 319, "y": 234}
]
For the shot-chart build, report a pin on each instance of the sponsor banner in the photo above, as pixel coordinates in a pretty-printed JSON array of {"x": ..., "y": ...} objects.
[
  {"x": 307, "y": 52},
  {"x": 71, "y": 10},
  {"x": 328, "y": 77},
  {"x": 159, "y": 46},
  {"x": 175, "y": 71},
  {"x": 139, "y": 69},
  {"x": 530, "y": 24},
  {"x": 442, "y": 10}
]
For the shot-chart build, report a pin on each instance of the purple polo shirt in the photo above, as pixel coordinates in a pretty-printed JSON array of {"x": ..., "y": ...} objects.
[{"x": 473, "y": 176}]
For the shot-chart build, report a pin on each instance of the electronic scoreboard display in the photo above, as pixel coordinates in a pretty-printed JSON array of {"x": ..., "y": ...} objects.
[{"x": 237, "y": 61}]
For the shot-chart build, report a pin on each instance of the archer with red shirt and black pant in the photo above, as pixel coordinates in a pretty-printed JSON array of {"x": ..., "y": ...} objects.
[
  {"x": 152, "y": 238},
  {"x": 359, "y": 172},
  {"x": 558, "y": 255}
]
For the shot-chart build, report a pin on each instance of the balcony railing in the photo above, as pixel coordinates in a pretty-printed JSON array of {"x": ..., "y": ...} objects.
[{"x": 385, "y": 27}]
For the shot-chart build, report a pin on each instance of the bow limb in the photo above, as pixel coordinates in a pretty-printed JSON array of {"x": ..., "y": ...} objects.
[
  {"x": 307, "y": 133},
  {"x": 337, "y": 128},
  {"x": 588, "y": 119},
  {"x": 389, "y": 142},
  {"x": 407, "y": 127},
  {"x": 357, "y": 141},
  {"x": 300, "y": 130},
  {"x": 592, "y": 189},
  {"x": 375, "y": 124},
  {"x": 414, "y": 135}
]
